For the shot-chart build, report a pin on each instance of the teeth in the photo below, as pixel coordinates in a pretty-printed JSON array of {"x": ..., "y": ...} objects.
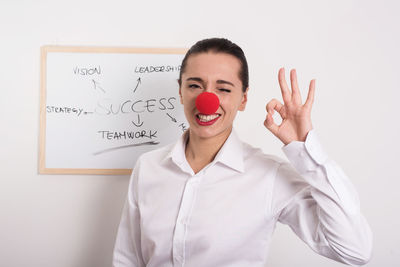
[{"x": 206, "y": 118}]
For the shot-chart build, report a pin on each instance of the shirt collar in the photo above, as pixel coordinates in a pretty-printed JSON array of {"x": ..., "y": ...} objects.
[
  {"x": 177, "y": 153},
  {"x": 230, "y": 154}
]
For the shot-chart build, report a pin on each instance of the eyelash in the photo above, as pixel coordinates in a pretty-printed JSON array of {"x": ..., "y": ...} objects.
[
  {"x": 193, "y": 86},
  {"x": 221, "y": 89}
]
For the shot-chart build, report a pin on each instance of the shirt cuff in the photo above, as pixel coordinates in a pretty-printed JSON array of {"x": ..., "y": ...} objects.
[{"x": 306, "y": 156}]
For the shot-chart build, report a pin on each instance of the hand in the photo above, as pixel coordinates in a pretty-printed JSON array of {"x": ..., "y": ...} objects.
[{"x": 296, "y": 117}]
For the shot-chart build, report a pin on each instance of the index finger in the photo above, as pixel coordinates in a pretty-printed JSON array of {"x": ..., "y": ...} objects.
[{"x": 284, "y": 87}]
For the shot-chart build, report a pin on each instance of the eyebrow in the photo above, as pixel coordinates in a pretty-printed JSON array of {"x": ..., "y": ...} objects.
[{"x": 197, "y": 79}]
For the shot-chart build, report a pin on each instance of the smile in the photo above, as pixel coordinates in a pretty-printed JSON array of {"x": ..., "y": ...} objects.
[{"x": 203, "y": 119}]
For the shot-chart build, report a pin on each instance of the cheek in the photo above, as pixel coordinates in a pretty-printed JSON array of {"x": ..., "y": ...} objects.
[
  {"x": 230, "y": 104},
  {"x": 188, "y": 101}
]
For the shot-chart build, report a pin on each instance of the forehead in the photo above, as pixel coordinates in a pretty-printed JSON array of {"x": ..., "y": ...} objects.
[{"x": 213, "y": 65}]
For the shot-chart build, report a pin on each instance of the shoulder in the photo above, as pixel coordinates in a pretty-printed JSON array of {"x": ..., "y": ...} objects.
[
  {"x": 281, "y": 170},
  {"x": 286, "y": 182},
  {"x": 148, "y": 163},
  {"x": 256, "y": 156},
  {"x": 156, "y": 155}
]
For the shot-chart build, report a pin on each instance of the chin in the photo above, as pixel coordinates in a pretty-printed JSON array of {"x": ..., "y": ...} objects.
[
  {"x": 203, "y": 133},
  {"x": 208, "y": 132}
]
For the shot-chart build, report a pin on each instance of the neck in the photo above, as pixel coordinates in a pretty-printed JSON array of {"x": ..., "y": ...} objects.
[{"x": 201, "y": 151}]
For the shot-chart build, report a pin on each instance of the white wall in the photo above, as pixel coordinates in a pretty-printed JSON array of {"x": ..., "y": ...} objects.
[{"x": 351, "y": 47}]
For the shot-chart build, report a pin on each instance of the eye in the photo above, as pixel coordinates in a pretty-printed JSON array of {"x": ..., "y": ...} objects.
[
  {"x": 194, "y": 86},
  {"x": 224, "y": 90}
]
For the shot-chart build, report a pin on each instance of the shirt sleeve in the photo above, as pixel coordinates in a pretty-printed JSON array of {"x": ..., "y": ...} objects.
[
  {"x": 316, "y": 199},
  {"x": 127, "y": 249}
]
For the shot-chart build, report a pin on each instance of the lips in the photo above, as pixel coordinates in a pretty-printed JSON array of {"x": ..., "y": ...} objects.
[{"x": 205, "y": 120}]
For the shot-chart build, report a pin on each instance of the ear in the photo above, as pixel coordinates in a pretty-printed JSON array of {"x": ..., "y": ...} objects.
[
  {"x": 180, "y": 95},
  {"x": 244, "y": 100},
  {"x": 180, "y": 91}
]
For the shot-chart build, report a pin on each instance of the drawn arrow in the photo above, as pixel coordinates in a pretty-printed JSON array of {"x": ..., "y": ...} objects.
[
  {"x": 139, "y": 124},
  {"x": 96, "y": 85},
  {"x": 138, "y": 82},
  {"x": 172, "y": 118}
]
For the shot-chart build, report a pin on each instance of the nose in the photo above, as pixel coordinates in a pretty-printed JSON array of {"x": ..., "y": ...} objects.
[{"x": 207, "y": 103}]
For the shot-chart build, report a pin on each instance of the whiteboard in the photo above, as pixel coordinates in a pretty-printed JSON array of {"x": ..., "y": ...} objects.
[{"x": 101, "y": 108}]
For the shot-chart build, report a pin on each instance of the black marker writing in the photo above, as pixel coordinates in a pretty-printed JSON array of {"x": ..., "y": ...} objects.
[
  {"x": 155, "y": 69},
  {"x": 138, "y": 82},
  {"x": 97, "y": 86},
  {"x": 65, "y": 110},
  {"x": 116, "y": 135},
  {"x": 87, "y": 71},
  {"x": 151, "y": 143},
  {"x": 138, "y": 124},
  {"x": 172, "y": 118},
  {"x": 104, "y": 107},
  {"x": 183, "y": 126}
]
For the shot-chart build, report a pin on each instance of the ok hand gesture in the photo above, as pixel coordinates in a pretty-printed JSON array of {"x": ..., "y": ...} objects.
[{"x": 296, "y": 117}]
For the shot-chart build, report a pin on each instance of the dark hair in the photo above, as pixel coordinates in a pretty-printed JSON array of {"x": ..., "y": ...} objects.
[{"x": 219, "y": 45}]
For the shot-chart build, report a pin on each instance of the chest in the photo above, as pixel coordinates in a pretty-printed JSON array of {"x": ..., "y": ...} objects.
[{"x": 213, "y": 213}]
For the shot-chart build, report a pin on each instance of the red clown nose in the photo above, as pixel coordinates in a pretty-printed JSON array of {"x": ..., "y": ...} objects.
[{"x": 207, "y": 103}]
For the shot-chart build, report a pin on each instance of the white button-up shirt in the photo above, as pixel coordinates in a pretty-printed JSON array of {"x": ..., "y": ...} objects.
[{"x": 225, "y": 214}]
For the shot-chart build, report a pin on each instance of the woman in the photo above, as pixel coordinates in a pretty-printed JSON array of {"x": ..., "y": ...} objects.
[{"x": 212, "y": 200}]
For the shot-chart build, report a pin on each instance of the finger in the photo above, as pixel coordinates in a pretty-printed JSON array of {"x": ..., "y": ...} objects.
[
  {"x": 310, "y": 97},
  {"x": 273, "y": 105},
  {"x": 270, "y": 124},
  {"x": 284, "y": 87},
  {"x": 296, "y": 97}
]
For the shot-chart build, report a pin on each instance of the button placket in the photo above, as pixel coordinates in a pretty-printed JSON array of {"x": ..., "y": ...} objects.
[{"x": 182, "y": 220}]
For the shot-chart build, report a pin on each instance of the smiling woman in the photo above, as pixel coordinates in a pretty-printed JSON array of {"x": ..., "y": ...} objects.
[
  {"x": 215, "y": 73},
  {"x": 212, "y": 200}
]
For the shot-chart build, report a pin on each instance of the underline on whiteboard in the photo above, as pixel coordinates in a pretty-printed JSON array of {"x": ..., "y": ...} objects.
[{"x": 150, "y": 143}]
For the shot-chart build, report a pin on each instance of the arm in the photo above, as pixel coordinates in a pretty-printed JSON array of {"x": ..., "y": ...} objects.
[
  {"x": 127, "y": 249},
  {"x": 315, "y": 198},
  {"x": 319, "y": 203}
]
